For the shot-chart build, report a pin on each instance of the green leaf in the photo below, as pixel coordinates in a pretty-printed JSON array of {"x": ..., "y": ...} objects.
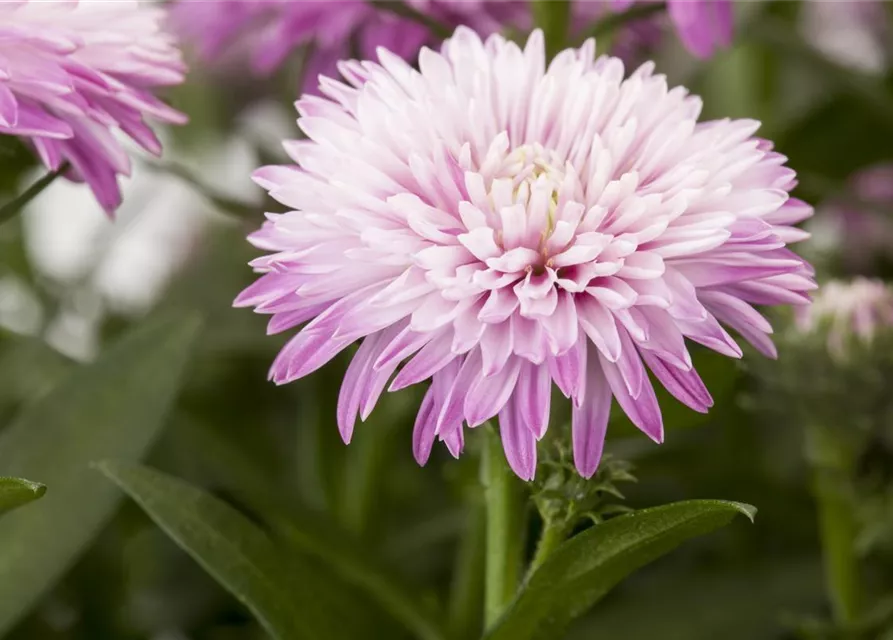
[
  {"x": 14, "y": 492},
  {"x": 739, "y": 601},
  {"x": 360, "y": 568},
  {"x": 113, "y": 407},
  {"x": 581, "y": 571},
  {"x": 288, "y": 597},
  {"x": 311, "y": 532}
]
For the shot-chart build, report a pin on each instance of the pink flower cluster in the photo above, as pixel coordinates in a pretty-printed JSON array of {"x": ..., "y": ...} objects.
[
  {"x": 266, "y": 31},
  {"x": 72, "y": 73},
  {"x": 849, "y": 310}
]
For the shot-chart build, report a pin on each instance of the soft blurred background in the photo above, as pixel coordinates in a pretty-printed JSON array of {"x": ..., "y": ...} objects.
[{"x": 819, "y": 77}]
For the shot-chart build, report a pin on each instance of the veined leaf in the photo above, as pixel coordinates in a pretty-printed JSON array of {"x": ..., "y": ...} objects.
[
  {"x": 582, "y": 570},
  {"x": 113, "y": 407}
]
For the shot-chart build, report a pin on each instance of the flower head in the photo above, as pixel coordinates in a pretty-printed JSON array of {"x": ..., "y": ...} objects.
[
  {"x": 73, "y": 72},
  {"x": 703, "y": 25},
  {"x": 267, "y": 31},
  {"x": 847, "y": 311},
  {"x": 497, "y": 225}
]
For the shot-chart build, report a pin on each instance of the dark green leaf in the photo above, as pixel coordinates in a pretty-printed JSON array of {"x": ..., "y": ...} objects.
[
  {"x": 285, "y": 595},
  {"x": 787, "y": 42},
  {"x": 114, "y": 407},
  {"x": 14, "y": 492},
  {"x": 357, "y": 566},
  {"x": 312, "y": 532},
  {"x": 581, "y": 571},
  {"x": 733, "y": 602}
]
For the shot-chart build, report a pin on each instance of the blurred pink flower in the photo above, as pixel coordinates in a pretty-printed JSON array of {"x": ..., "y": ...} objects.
[
  {"x": 862, "y": 231},
  {"x": 856, "y": 309},
  {"x": 267, "y": 31},
  {"x": 496, "y": 225},
  {"x": 73, "y": 72},
  {"x": 703, "y": 25}
]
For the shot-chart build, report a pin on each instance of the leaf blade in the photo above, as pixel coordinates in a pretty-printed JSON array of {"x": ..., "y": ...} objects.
[
  {"x": 585, "y": 568},
  {"x": 113, "y": 407},
  {"x": 290, "y": 599},
  {"x": 356, "y": 566},
  {"x": 225, "y": 543},
  {"x": 305, "y": 530},
  {"x": 15, "y": 492}
]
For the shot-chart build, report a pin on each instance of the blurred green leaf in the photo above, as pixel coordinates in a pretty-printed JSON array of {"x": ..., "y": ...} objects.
[
  {"x": 871, "y": 92},
  {"x": 581, "y": 571},
  {"x": 113, "y": 407},
  {"x": 275, "y": 586},
  {"x": 686, "y": 602},
  {"x": 355, "y": 564},
  {"x": 14, "y": 492}
]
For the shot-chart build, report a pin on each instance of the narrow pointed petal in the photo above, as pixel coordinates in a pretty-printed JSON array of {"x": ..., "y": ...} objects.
[
  {"x": 518, "y": 442},
  {"x": 589, "y": 421}
]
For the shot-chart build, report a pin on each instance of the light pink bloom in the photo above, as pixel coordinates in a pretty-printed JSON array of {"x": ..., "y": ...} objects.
[
  {"x": 496, "y": 226},
  {"x": 856, "y": 309},
  {"x": 71, "y": 73},
  {"x": 266, "y": 32},
  {"x": 703, "y": 25}
]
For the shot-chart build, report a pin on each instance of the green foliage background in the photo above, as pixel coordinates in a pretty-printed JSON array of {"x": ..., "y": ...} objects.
[{"x": 360, "y": 535}]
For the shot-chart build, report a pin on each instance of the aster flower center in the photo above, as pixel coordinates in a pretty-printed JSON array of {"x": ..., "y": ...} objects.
[
  {"x": 536, "y": 175},
  {"x": 530, "y": 162}
]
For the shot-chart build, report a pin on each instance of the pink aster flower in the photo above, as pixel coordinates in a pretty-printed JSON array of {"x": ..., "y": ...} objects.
[
  {"x": 703, "y": 25},
  {"x": 267, "y": 31},
  {"x": 496, "y": 225},
  {"x": 73, "y": 72},
  {"x": 849, "y": 310}
]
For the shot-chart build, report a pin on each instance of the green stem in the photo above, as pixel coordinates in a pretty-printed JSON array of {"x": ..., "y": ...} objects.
[
  {"x": 225, "y": 204},
  {"x": 467, "y": 590},
  {"x": 832, "y": 463},
  {"x": 552, "y": 536},
  {"x": 404, "y": 10},
  {"x": 505, "y": 530},
  {"x": 606, "y": 27},
  {"x": 15, "y": 206},
  {"x": 553, "y": 17}
]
